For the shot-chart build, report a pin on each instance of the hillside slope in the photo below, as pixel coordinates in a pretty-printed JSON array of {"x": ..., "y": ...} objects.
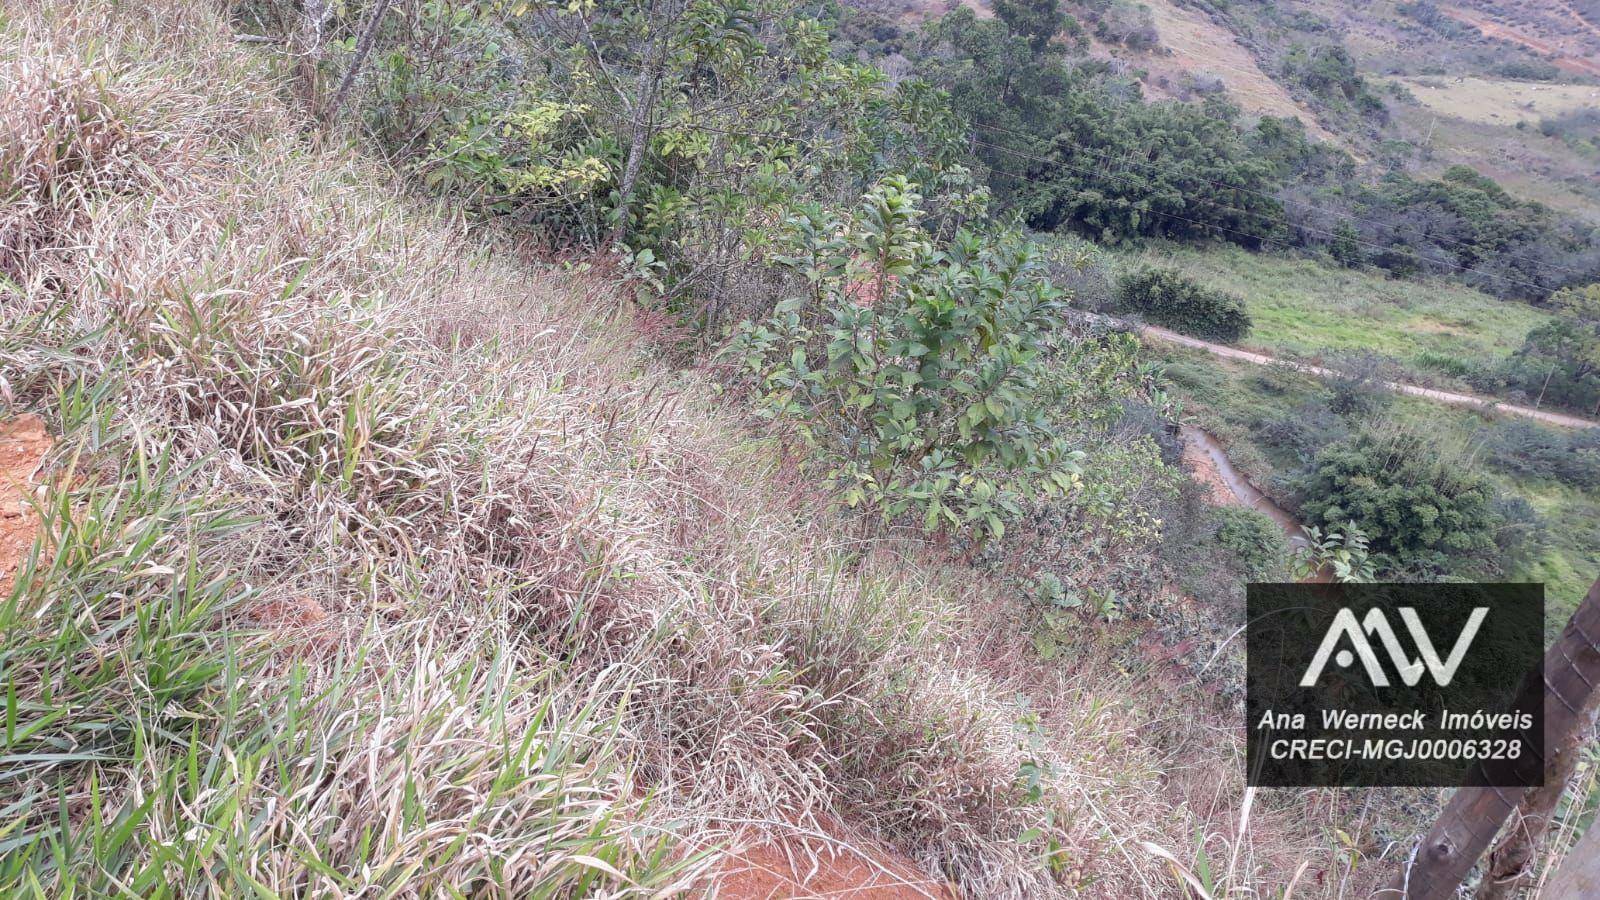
[{"x": 375, "y": 556}]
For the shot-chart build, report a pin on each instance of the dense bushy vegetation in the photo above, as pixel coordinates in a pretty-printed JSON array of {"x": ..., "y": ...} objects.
[
  {"x": 1330, "y": 75},
  {"x": 1562, "y": 358},
  {"x": 1168, "y": 298},
  {"x": 1070, "y": 145},
  {"x": 382, "y": 556},
  {"x": 1420, "y": 512},
  {"x": 1461, "y": 223},
  {"x": 678, "y": 131},
  {"x": 1569, "y": 456},
  {"x": 404, "y": 503},
  {"x": 1557, "y": 364},
  {"x": 710, "y": 143},
  {"x": 1579, "y": 128},
  {"x": 913, "y": 364}
]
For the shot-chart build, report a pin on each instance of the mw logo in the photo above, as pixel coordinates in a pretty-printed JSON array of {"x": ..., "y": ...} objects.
[{"x": 1375, "y": 623}]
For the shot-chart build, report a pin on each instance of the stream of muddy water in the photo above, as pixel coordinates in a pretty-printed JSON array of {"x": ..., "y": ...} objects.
[{"x": 1206, "y": 454}]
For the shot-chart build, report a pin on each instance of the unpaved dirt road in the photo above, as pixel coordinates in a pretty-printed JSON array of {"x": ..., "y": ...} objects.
[{"x": 1454, "y": 399}]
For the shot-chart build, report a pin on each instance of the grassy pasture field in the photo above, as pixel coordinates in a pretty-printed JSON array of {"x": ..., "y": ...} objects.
[
  {"x": 1499, "y": 101},
  {"x": 1308, "y": 309},
  {"x": 1525, "y": 162}
]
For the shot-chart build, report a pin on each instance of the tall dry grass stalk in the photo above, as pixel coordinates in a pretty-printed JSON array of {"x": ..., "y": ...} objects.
[{"x": 447, "y": 583}]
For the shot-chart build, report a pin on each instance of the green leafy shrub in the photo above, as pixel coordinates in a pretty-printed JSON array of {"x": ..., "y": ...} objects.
[
  {"x": 1527, "y": 70},
  {"x": 1168, "y": 298},
  {"x": 1329, "y": 73},
  {"x": 1559, "y": 362},
  {"x": 1045, "y": 121},
  {"x": 1341, "y": 552},
  {"x": 1579, "y": 128},
  {"x": 1521, "y": 535},
  {"x": 1359, "y": 391},
  {"x": 1255, "y": 541},
  {"x": 670, "y": 129},
  {"x": 1418, "y": 507},
  {"x": 913, "y": 365},
  {"x": 1466, "y": 224}
]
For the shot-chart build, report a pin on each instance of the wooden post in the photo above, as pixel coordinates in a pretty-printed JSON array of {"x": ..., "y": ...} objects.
[
  {"x": 1512, "y": 860},
  {"x": 1579, "y": 873},
  {"x": 1444, "y": 856}
]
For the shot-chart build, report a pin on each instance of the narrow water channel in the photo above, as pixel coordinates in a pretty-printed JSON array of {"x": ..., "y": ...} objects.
[{"x": 1244, "y": 493}]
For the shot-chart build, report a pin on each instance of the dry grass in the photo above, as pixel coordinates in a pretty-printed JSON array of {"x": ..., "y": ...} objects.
[
  {"x": 444, "y": 577},
  {"x": 1194, "y": 44},
  {"x": 1493, "y": 101}
]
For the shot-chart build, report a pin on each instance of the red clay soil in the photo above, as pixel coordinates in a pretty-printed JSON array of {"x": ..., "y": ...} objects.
[
  {"x": 780, "y": 870},
  {"x": 23, "y": 444},
  {"x": 300, "y": 624},
  {"x": 293, "y": 613}
]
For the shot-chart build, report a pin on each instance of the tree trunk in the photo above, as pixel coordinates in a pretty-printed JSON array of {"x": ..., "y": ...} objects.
[
  {"x": 1470, "y": 820},
  {"x": 369, "y": 36},
  {"x": 1511, "y": 862},
  {"x": 639, "y": 128},
  {"x": 1578, "y": 876}
]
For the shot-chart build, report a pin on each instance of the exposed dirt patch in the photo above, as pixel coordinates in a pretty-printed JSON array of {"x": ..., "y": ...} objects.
[
  {"x": 299, "y": 625},
  {"x": 23, "y": 444},
  {"x": 296, "y": 612},
  {"x": 827, "y": 867}
]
